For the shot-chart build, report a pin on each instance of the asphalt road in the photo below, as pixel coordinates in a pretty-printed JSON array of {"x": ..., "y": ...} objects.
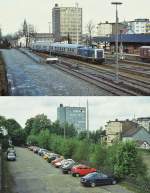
[
  {"x": 32, "y": 174},
  {"x": 29, "y": 78}
]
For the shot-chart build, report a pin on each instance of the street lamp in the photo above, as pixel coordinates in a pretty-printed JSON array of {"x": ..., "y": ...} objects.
[
  {"x": 77, "y": 17},
  {"x": 117, "y": 20}
]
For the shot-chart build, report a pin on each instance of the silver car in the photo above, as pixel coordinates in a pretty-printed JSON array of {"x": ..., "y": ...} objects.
[{"x": 11, "y": 156}]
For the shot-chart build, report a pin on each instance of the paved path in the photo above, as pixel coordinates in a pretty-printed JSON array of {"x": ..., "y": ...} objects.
[
  {"x": 33, "y": 79},
  {"x": 32, "y": 174}
]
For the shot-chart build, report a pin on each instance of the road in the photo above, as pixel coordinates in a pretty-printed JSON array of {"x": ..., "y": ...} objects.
[
  {"x": 32, "y": 174},
  {"x": 28, "y": 78}
]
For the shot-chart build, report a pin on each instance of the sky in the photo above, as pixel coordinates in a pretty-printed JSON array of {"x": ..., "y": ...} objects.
[
  {"x": 101, "y": 109},
  {"x": 38, "y": 12}
]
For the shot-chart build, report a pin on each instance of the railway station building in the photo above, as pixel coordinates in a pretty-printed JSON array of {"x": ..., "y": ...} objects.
[
  {"x": 130, "y": 42},
  {"x": 67, "y": 23}
]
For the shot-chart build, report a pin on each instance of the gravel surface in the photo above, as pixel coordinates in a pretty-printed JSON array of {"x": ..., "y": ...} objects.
[
  {"x": 29, "y": 78},
  {"x": 32, "y": 174}
]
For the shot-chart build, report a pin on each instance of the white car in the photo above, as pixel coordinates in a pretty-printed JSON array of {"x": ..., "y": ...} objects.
[
  {"x": 11, "y": 157},
  {"x": 64, "y": 162}
]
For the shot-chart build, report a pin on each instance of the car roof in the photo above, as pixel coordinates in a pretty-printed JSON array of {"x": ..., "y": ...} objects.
[{"x": 66, "y": 45}]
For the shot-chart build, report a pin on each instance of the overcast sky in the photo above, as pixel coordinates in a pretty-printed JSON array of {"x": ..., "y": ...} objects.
[
  {"x": 38, "y": 12},
  {"x": 101, "y": 109}
]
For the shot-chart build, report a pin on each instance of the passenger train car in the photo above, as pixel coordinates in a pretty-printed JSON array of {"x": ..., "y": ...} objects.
[
  {"x": 71, "y": 50},
  {"x": 145, "y": 53}
]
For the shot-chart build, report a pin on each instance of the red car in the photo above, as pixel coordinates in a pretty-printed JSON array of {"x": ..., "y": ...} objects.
[{"x": 81, "y": 170}]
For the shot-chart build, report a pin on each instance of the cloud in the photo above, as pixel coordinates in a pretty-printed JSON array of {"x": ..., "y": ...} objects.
[{"x": 38, "y": 12}]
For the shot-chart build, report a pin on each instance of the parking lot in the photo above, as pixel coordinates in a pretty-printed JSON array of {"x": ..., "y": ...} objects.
[{"x": 32, "y": 174}]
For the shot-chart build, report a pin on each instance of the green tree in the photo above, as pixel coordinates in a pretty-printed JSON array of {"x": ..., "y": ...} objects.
[
  {"x": 29, "y": 125},
  {"x": 82, "y": 151},
  {"x": 44, "y": 139},
  {"x": 127, "y": 161},
  {"x": 37, "y": 124},
  {"x": 12, "y": 125},
  {"x": 99, "y": 156}
]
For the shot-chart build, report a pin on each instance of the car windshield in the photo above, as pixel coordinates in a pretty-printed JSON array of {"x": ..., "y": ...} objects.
[
  {"x": 91, "y": 175},
  {"x": 11, "y": 154}
]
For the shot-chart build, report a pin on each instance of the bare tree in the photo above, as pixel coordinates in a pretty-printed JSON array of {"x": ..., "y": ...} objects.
[{"x": 90, "y": 28}]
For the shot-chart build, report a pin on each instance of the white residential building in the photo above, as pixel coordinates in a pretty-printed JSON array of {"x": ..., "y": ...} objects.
[
  {"x": 140, "y": 26},
  {"x": 144, "y": 122},
  {"x": 104, "y": 29}
]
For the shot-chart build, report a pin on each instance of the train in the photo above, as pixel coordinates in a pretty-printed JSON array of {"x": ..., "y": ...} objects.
[
  {"x": 145, "y": 53},
  {"x": 76, "y": 51}
]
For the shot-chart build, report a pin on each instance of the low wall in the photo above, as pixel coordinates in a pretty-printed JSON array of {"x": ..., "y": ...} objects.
[
  {"x": 3, "y": 78},
  {"x": 0, "y": 168}
]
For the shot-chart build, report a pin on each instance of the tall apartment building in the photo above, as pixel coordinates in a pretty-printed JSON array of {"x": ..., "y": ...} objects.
[
  {"x": 72, "y": 115},
  {"x": 67, "y": 22}
]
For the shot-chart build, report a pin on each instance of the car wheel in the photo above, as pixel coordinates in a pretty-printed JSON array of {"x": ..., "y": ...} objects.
[
  {"x": 114, "y": 182},
  {"x": 77, "y": 175},
  {"x": 93, "y": 184}
]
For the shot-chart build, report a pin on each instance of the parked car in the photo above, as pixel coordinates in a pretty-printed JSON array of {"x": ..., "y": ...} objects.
[
  {"x": 81, "y": 170},
  {"x": 11, "y": 150},
  {"x": 66, "y": 168},
  {"x": 36, "y": 149},
  {"x": 66, "y": 162},
  {"x": 31, "y": 148},
  {"x": 97, "y": 179},
  {"x": 42, "y": 151},
  {"x": 53, "y": 157},
  {"x": 57, "y": 160},
  {"x": 63, "y": 162},
  {"x": 47, "y": 155},
  {"x": 11, "y": 156}
]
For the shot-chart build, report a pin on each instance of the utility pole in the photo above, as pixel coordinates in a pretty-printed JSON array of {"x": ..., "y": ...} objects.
[
  {"x": 117, "y": 20},
  {"x": 65, "y": 130},
  {"x": 49, "y": 25},
  {"x": 87, "y": 121},
  {"x": 77, "y": 12}
]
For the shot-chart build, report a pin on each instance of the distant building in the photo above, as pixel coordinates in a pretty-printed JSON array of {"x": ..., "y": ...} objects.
[
  {"x": 144, "y": 122},
  {"x": 114, "y": 130},
  {"x": 25, "y": 28},
  {"x": 104, "y": 29},
  {"x": 21, "y": 42},
  {"x": 41, "y": 37},
  {"x": 72, "y": 115},
  {"x": 67, "y": 23},
  {"x": 140, "y": 26},
  {"x": 138, "y": 134},
  {"x": 126, "y": 130}
]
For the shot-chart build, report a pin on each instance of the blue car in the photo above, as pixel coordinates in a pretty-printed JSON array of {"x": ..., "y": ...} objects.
[{"x": 97, "y": 179}]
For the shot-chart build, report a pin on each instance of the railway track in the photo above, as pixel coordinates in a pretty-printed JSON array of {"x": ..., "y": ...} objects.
[{"x": 104, "y": 76}]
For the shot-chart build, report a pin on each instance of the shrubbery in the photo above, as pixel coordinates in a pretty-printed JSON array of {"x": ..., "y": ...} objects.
[{"x": 121, "y": 159}]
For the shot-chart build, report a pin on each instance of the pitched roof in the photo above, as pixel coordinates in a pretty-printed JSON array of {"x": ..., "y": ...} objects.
[{"x": 131, "y": 131}]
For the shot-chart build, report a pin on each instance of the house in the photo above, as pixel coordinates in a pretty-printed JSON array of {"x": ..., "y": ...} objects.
[
  {"x": 126, "y": 130},
  {"x": 138, "y": 134}
]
